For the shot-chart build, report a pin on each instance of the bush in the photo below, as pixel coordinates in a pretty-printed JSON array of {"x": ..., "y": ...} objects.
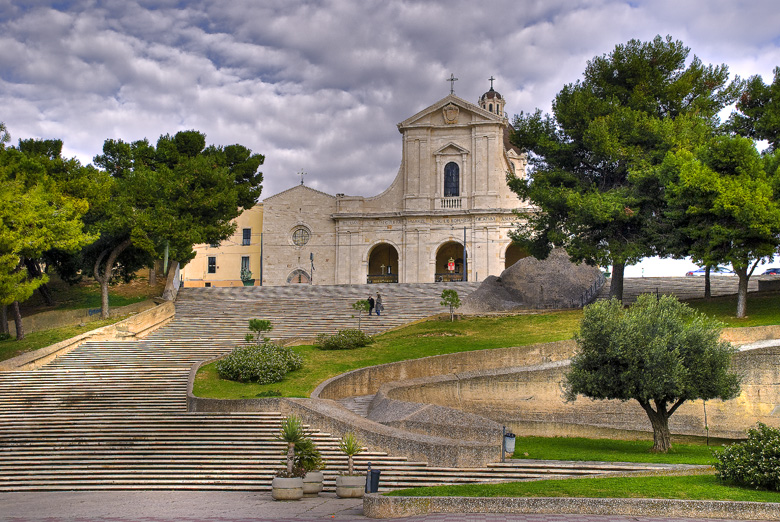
[
  {"x": 754, "y": 463},
  {"x": 263, "y": 364},
  {"x": 343, "y": 340}
]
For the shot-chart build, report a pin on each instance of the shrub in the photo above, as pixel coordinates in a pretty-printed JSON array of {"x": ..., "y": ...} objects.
[
  {"x": 263, "y": 364},
  {"x": 754, "y": 463},
  {"x": 343, "y": 340}
]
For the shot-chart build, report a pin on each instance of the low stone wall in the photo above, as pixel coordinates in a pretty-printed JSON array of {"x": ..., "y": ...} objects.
[
  {"x": 380, "y": 506},
  {"x": 60, "y": 318},
  {"x": 367, "y": 381},
  {"x": 134, "y": 327},
  {"x": 331, "y": 417}
]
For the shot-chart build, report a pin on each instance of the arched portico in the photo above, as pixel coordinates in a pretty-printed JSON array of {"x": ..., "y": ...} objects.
[
  {"x": 449, "y": 252},
  {"x": 513, "y": 254},
  {"x": 383, "y": 264}
]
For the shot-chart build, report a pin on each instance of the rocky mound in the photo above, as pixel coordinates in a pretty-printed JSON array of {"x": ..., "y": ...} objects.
[{"x": 531, "y": 283}]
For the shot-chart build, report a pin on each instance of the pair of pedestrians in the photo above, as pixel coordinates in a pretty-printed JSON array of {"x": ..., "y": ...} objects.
[{"x": 375, "y": 305}]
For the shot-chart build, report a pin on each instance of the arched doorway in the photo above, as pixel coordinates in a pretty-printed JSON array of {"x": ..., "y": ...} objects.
[
  {"x": 383, "y": 264},
  {"x": 298, "y": 277},
  {"x": 449, "y": 252},
  {"x": 513, "y": 254}
]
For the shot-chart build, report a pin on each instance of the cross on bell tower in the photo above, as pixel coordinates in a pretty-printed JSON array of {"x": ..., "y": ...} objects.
[
  {"x": 491, "y": 79},
  {"x": 301, "y": 174},
  {"x": 452, "y": 81}
]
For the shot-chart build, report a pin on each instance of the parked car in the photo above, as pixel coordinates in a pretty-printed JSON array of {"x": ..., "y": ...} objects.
[
  {"x": 715, "y": 271},
  {"x": 772, "y": 271}
]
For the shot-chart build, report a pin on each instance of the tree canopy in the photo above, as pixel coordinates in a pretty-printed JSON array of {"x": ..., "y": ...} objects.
[
  {"x": 658, "y": 352},
  {"x": 590, "y": 180}
]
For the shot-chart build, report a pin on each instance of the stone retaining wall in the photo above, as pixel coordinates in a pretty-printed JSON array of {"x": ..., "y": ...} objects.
[{"x": 132, "y": 328}]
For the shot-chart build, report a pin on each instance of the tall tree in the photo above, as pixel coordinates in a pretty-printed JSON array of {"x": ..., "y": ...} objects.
[
  {"x": 726, "y": 203},
  {"x": 612, "y": 123},
  {"x": 35, "y": 216},
  {"x": 177, "y": 194},
  {"x": 758, "y": 111},
  {"x": 658, "y": 352}
]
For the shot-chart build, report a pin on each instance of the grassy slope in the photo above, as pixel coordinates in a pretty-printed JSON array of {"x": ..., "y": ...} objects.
[
  {"x": 419, "y": 340},
  {"x": 689, "y": 487}
]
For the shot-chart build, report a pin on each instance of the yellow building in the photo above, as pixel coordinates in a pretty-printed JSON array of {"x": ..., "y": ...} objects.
[{"x": 221, "y": 265}]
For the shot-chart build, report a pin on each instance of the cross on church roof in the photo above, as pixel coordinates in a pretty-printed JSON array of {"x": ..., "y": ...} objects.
[
  {"x": 452, "y": 81},
  {"x": 491, "y": 81},
  {"x": 301, "y": 174}
]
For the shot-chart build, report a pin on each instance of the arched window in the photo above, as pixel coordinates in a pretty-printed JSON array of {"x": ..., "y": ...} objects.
[
  {"x": 451, "y": 180},
  {"x": 490, "y": 108}
]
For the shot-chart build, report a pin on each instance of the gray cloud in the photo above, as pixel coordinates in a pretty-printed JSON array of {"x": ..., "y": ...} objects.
[{"x": 321, "y": 85}]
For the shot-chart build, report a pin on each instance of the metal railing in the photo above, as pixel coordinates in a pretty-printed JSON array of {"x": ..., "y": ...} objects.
[{"x": 448, "y": 277}]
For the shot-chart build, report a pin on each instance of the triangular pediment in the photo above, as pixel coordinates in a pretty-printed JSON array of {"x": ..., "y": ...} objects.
[
  {"x": 465, "y": 112},
  {"x": 298, "y": 188},
  {"x": 451, "y": 148}
]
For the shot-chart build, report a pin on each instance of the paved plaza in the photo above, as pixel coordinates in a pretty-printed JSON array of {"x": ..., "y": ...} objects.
[{"x": 154, "y": 506}]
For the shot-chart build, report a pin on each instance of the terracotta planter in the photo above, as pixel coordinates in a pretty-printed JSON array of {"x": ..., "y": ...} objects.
[
  {"x": 287, "y": 488},
  {"x": 350, "y": 486},
  {"x": 312, "y": 483}
]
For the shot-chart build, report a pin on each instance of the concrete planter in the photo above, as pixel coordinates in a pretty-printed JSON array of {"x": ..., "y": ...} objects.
[
  {"x": 312, "y": 483},
  {"x": 287, "y": 488},
  {"x": 350, "y": 486}
]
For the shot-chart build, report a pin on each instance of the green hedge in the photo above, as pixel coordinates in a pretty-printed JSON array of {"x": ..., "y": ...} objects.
[
  {"x": 343, "y": 340},
  {"x": 754, "y": 463},
  {"x": 263, "y": 364}
]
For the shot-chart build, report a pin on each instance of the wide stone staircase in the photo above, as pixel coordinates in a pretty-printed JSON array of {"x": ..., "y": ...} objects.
[{"x": 112, "y": 415}]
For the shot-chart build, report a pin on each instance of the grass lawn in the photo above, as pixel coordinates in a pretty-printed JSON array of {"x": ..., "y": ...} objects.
[
  {"x": 35, "y": 340},
  {"x": 687, "y": 487},
  {"x": 434, "y": 337},
  {"x": 438, "y": 337},
  {"x": 611, "y": 450}
]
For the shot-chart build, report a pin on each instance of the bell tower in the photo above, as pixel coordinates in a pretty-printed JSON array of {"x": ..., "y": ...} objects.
[{"x": 492, "y": 101}]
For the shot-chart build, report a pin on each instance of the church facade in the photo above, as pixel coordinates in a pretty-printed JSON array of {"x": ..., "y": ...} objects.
[
  {"x": 445, "y": 217},
  {"x": 449, "y": 203}
]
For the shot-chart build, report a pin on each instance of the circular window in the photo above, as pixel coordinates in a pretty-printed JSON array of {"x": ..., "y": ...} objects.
[{"x": 301, "y": 236}]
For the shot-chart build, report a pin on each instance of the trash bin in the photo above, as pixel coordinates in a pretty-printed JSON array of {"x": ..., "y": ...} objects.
[
  {"x": 372, "y": 480},
  {"x": 509, "y": 443}
]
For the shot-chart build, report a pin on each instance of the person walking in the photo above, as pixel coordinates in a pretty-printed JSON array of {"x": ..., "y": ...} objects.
[
  {"x": 370, "y": 304},
  {"x": 379, "y": 306}
]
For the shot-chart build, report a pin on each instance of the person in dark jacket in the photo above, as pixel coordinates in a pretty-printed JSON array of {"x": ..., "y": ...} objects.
[{"x": 370, "y": 305}]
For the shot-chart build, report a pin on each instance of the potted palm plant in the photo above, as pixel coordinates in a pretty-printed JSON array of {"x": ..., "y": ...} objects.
[
  {"x": 308, "y": 458},
  {"x": 288, "y": 484},
  {"x": 350, "y": 484}
]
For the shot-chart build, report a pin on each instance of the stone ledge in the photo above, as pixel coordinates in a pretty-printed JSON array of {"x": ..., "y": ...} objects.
[{"x": 380, "y": 506}]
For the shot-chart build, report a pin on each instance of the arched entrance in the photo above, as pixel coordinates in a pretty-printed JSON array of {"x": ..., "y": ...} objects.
[
  {"x": 383, "y": 264},
  {"x": 513, "y": 254},
  {"x": 298, "y": 277},
  {"x": 449, "y": 252}
]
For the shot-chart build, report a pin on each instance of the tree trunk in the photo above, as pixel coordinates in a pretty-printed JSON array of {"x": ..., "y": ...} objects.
[
  {"x": 350, "y": 465},
  {"x": 171, "y": 285},
  {"x": 290, "y": 458},
  {"x": 616, "y": 285},
  {"x": 707, "y": 286},
  {"x": 152, "y": 276},
  {"x": 108, "y": 271},
  {"x": 18, "y": 321},
  {"x": 4, "y": 320},
  {"x": 742, "y": 293},
  {"x": 662, "y": 439}
]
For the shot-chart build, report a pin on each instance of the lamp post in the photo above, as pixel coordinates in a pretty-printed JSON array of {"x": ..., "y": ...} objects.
[{"x": 311, "y": 258}]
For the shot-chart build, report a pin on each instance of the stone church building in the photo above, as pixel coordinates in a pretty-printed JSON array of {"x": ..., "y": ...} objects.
[{"x": 446, "y": 215}]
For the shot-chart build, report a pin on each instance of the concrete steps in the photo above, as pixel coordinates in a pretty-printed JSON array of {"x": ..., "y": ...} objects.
[{"x": 682, "y": 287}]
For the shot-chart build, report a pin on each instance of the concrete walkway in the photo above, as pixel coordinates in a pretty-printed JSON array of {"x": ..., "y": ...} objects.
[{"x": 188, "y": 506}]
